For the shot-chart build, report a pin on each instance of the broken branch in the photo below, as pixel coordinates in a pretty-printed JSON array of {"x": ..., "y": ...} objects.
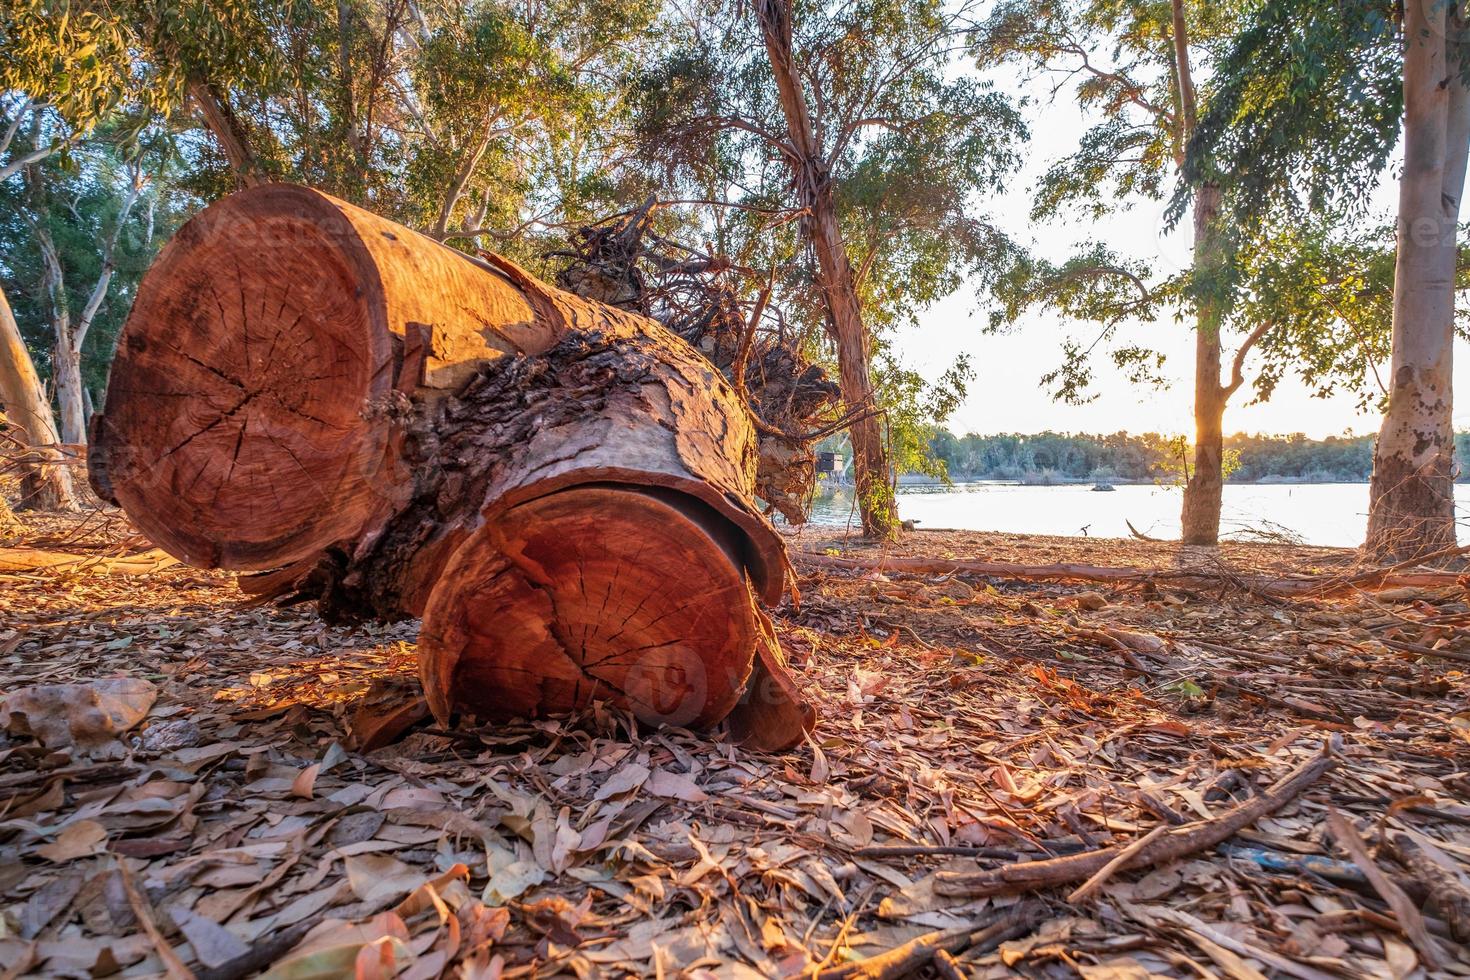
[{"x": 1170, "y": 845}]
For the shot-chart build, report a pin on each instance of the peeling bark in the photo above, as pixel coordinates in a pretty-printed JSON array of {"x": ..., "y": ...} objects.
[{"x": 1411, "y": 496}]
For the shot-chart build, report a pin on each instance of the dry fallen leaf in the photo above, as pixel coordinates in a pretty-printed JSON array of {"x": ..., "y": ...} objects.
[
  {"x": 301, "y": 786},
  {"x": 89, "y": 716},
  {"x": 672, "y": 785},
  {"x": 379, "y": 880},
  {"x": 615, "y": 850},
  {"x": 79, "y": 839}
]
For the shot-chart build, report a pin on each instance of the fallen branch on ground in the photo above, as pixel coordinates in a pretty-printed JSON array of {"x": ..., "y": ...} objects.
[
  {"x": 36, "y": 560},
  {"x": 1169, "y": 846},
  {"x": 1314, "y": 586},
  {"x": 901, "y": 961}
]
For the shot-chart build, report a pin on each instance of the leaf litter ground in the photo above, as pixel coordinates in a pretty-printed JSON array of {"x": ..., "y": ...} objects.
[{"x": 211, "y": 817}]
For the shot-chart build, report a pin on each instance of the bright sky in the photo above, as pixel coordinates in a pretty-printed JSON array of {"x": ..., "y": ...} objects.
[{"x": 1007, "y": 396}]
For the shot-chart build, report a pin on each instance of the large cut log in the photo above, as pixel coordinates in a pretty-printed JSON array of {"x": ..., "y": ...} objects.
[
  {"x": 561, "y": 489},
  {"x": 250, "y": 411}
]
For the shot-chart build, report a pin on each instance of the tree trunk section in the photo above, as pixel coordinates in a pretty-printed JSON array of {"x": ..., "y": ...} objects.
[
  {"x": 393, "y": 428},
  {"x": 70, "y": 397},
  {"x": 1200, "y": 516},
  {"x": 1411, "y": 496},
  {"x": 250, "y": 414},
  {"x": 839, "y": 287},
  {"x": 556, "y": 602},
  {"x": 46, "y": 484}
]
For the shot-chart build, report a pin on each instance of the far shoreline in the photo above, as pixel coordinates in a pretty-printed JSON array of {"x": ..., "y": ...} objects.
[{"x": 908, "y": 482}]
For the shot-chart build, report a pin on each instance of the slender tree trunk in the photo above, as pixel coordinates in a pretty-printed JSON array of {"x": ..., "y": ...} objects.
[
  {"x": 45, "y": 485},
  {"x": 1200, "y": 518},
  {"x": 66, "y": 354},
  {"x": 839, "y": 287},
  {"x": 1411, "y": 509},
  {"x": 225, "y": 125},
  {"x": 69, "y": 396},
  {"x": 1200, "y": 515}
]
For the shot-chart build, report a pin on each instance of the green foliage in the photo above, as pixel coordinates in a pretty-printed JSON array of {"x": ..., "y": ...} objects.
[
  {"x": 450, "y": 116},
  {"x": 1173, "y": 459},
  {"x": 1327, "y": 289},
  {"x": 1097, "y": 285},
  {"x": 88, "y": 58},
  {"x": 79, "y": 199},
  {"x": 1117, "y": 59},
  {"x": 914, "y": 409},
  {"x": 70, "y": 56},
  {"x": 1304, "y": 108},
  {"x": 1312, "y": 293}
]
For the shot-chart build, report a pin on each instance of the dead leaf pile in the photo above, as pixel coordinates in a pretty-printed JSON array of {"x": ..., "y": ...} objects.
[{"x": 258, "y": 819}]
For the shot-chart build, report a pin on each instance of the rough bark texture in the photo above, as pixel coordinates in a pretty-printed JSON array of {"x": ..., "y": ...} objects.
[
  {"x": 562, "y": 489},
  {"x": 214, "y": 106},
  {"x": 1411, "y": 498},
  {"x": 45, "y": 483},
  {"x": 616, "y": 400},
  {"x": 813, "y": 181}
]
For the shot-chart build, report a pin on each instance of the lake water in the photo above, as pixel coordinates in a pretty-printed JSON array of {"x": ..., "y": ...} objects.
[{"x": 1314, "y": 513}]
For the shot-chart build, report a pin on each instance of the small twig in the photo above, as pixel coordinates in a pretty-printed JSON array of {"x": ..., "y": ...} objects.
[
  {"x": 958, "y": 850},
  {"x": 1440, "y": 880},
  {"x": 901, "y": 961},
  {"x": 1420, "y": 649},
  {"x": 948, "y": 967},
  {"x": 1106, "y": 871}
]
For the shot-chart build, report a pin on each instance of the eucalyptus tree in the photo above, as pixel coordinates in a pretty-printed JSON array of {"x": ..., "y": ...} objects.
[
  {"x": 1310, "y": 103},
  {"x": 437, "y": 113},
  {"x": 46, "y": 479},
  {"x": 853, "y": 158},
  {"x": 77, "y": 235},
  {"x": 1132, "y": 64}
]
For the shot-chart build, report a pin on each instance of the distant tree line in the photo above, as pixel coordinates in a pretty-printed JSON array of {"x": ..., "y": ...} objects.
[{"x": 1148, "y": 457}]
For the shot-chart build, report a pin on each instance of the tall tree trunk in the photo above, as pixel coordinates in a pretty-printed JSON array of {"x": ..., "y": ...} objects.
[
  {"x": 66, "y": 343},
  {"x": 70, "y": 398},
  {"x": 1200, "y": 517},
  {"x": 45, "y": 485},
  {"x": 1411, "y": 509},
  {"x": 66, "y": 355},
  {"x": 813, "y": 181}
]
